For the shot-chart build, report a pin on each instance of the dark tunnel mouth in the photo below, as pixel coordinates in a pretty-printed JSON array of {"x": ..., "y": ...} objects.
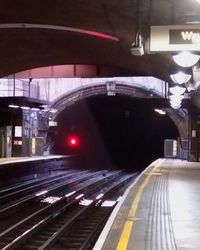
[{"x": 114, "y": 132}]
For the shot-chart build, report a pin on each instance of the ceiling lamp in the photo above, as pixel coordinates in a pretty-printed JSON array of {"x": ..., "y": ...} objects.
[
  {"x": 180, "y": 77},
  {"x": 176, "y": 97},
  {"x": 186, "y": 59},
  {"x": 177, "y": 90},
  {"x": 175, "y": 101},
  {"x": 176, "y": 106},
  {"x": 13, "y": 106}
]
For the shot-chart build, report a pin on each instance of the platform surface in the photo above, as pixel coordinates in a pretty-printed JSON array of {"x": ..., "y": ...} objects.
[
  {"x": 160, "y": 211},
  {"x": 9, "y": 160}
]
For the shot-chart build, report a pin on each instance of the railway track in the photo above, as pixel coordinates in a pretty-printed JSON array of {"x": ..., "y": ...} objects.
[
  {"x": 49, "y": 226},
  {"x": 12, "y": 213}
]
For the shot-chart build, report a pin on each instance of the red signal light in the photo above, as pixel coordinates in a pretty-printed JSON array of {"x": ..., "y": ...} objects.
[{"x": 73, "y": 141}]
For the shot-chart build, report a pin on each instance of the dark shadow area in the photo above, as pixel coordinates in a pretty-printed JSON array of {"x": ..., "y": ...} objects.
[{"x": 113, "y": 131}]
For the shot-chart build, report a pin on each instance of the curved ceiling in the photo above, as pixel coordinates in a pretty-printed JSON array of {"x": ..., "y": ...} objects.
[
  {"x": 25, "y": 48},
  {"x": 179, "y": 117}
]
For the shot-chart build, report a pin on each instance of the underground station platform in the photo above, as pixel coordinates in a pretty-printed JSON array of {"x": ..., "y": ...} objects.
[{"x": 159, "y": 211}]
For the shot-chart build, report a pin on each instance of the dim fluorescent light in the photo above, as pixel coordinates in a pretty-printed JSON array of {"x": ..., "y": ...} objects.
[
  {"x": 13, "y": 106},
  {"x": 35, "y": 109},
  {"x": 25, "y": 107}
]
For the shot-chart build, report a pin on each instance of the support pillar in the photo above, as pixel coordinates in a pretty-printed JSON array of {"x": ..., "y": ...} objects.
[{"x": 194, "y": 136}]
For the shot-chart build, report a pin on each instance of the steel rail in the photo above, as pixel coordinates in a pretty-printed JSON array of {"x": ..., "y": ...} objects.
[
  {"x": 45, "y": 220},
  {"x": 17, "y": 205}
]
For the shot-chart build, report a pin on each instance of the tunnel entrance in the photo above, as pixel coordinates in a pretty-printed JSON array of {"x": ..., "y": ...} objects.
[{"x": 115, "y": 131}]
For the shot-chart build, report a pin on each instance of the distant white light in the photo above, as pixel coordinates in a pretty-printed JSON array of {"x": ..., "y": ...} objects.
[
  {"x": 35, "y": 109},
  {"x": 177, "y": 90},
  {"x": 99, "y": 196},
  {"x": 41, "y": 193},
  {"x": 193, "y": 22},
  {"x": 198, "y": 1},
  {"x": 69, "y": 194},
  {"x": 25, "y": 107},
  {"x": 53, "y": 111},
  {"x": 13, "y": 106},
  {"x": 79, "y": 196},
  {"x": 180, "y": 77},
  {"x": 44, "y": 106},
  {"x": 45, "y": 110},
  {"x": 186, "y": 59},
  {"x": 160, "y": 111}
]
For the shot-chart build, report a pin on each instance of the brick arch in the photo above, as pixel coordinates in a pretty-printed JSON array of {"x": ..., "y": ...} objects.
[{"x": 179, "y": 117}]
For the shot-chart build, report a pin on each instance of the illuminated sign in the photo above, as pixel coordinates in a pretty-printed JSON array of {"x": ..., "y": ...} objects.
[
  {"x": 33, "y": 146},
  {"x": 18, "y": 131},
  {"x": 53, "y": 124},
  {"x": 174, "y": 148},
  {"x": 17, "y": 142},
  {"x": 184, "y": 36},
  {"x": 175, "y": 38}
]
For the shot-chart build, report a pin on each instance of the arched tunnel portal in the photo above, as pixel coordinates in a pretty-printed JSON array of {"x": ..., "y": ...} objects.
[{"x": 77, "y": 106}]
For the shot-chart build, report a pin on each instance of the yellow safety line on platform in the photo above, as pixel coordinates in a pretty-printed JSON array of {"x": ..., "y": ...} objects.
[{"x": 123, "y": 241}]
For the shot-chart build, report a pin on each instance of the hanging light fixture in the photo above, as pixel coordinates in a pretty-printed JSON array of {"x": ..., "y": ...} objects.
[
  {"x": 177, "y": 90},
  {"x": 175, "y": 101},
  {"x": 180, "y": 77},
  {"x": 186, "y": 59},
  {"x": 176, "y": 106},
  {"x": 176, "y": 97}
]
